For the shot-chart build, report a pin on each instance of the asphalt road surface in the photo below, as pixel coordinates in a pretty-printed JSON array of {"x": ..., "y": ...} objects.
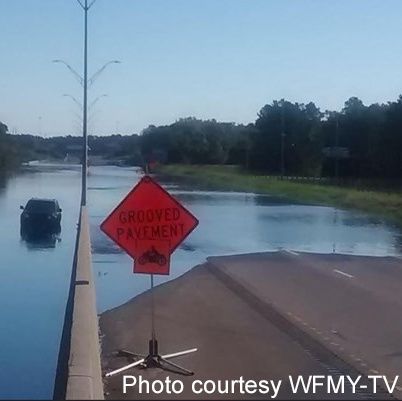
[{"x": 268, "y": 316}]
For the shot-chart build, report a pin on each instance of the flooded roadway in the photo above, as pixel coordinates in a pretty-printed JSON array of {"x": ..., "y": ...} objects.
[
  {"x": 230, "y": 223},
  {"x": 35, "y": 275}
]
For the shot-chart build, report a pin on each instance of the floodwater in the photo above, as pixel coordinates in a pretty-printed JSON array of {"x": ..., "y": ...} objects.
[
  {"x": 230, "y": 223},
  {"x": 34, "y": 284},
  {"x": 35, "y": 275}
]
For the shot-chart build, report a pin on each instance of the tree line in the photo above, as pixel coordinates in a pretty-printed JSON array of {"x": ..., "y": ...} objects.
[
  {"x": 287, "y": 138},
  {"x": 292, "y": 139},
  {"x": 9, "y": 155},
  {"x": 16, "y": 149}
]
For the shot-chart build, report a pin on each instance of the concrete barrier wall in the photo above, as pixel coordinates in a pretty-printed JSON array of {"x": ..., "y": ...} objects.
[{"x": 84, "y": 380}]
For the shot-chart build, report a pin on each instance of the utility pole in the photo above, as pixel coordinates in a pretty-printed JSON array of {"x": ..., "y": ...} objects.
[
  {"x": 282, "y": 140},
  {"x": 337, "y": 150}
]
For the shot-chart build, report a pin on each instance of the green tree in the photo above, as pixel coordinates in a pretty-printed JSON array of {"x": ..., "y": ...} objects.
[
  {"x": 3, "y": 129},
  {"x": 302, "y": 141}
]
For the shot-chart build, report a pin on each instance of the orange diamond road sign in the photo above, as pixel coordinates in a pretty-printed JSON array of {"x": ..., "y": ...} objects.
[{"x": 149, "y": 224}]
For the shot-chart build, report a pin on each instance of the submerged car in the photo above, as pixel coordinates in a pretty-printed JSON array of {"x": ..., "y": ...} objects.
[{"x": 41, "y": 215}]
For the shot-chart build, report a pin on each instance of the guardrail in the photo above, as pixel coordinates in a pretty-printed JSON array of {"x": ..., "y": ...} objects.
[{"x": 79, "y": 374}]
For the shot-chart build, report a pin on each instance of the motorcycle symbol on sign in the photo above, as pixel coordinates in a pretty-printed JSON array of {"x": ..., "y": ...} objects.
[{"x": 152, "y": 256}]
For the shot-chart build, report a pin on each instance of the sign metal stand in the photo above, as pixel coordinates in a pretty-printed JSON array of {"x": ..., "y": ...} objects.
[
  {"x": 147, "y": 195},
  {"x": 153, "y": 359}
]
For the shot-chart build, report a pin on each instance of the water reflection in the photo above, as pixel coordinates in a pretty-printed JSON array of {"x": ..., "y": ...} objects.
[
  {"x": 269, "y": 200},
  {"x": 398, "y": 243},
  {"x": 358, "y": 220},
  {"x": 219, "y": 198},
  {"x": 3, "y": 181},
  {"x": 39, "y": 240}
]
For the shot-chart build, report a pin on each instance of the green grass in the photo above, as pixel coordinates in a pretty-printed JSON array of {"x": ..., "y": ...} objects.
[{"x": 232, "y": 178}]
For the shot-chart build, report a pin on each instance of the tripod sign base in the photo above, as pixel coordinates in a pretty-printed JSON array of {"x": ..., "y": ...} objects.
[{"x": 154, "y": 360}]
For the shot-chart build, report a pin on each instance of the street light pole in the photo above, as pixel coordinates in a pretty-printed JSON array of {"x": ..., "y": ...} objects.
[
  {"x": 84, "y": 82},
  {"x": 85, "y": 6},
  {"x": 85, "y": 111}
]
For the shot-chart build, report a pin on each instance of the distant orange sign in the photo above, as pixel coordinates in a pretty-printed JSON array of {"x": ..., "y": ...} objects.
[{"x": 149, "y": 224}]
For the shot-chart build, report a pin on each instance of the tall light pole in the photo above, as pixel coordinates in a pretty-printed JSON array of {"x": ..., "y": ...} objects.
[
  {"x": 85, "y": 82},
  {"x": 85, "y": 105}
]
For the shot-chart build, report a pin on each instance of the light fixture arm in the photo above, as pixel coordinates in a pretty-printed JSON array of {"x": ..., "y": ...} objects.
[
  {"x": 96, "y": 101},
  {"x": 77, "y": 76},
  {"x": 99, "y": 72},
  {"x": 74, "y": 100},
  {"x": 82, "y": 6},
  {"x": 92, "y": 3}
]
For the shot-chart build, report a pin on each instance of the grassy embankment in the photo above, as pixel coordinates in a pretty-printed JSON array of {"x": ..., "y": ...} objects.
[{"x": 384, "y": 204}]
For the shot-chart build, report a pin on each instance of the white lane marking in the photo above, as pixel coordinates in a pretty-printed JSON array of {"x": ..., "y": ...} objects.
[
  {"x": 343, "y": 273},
  {"x": 291, "y": 252}
]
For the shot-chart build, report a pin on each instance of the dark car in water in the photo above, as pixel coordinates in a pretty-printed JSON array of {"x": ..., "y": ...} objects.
[{"x": 41, "y": 216}]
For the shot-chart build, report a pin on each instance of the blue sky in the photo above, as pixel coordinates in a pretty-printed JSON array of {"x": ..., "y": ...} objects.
[{"x": 220, "y": 59}]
